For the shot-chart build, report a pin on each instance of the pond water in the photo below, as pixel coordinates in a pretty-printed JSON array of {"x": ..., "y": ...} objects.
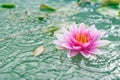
[{"x": 21, "y": 32}]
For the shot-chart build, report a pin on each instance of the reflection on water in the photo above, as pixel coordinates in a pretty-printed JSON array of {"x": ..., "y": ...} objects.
[{"x": 21, "y": 33}]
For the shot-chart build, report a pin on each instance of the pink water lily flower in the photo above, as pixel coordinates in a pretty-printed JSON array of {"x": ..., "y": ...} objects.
[{"x": 79, "y": 40}]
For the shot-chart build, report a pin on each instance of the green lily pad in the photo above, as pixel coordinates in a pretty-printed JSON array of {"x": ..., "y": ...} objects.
[
  {"x": 119, "y": 13},
  {"x": 8, "y": 5},
  {"x": 111, "y": 3},
  {"x": 51, "y": 30},
  {"x": 88, "y": 1},
  {"x": 46, "y": 8}
]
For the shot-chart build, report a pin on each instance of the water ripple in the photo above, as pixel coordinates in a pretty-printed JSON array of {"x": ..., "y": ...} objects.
[{"x": 21, "y": 33}]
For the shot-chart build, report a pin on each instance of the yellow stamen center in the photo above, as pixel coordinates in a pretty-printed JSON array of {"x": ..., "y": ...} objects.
[{"x": 83, "y": 38}]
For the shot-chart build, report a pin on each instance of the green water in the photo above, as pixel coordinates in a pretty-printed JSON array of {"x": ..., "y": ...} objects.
[{"x": 21, "y": 32}]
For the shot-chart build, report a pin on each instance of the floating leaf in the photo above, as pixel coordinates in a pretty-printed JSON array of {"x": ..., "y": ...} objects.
[
  {"x": 42, "y": 17},
  {"x": 46, "y": 8},
  {"x": 51, "y": 30},
  {"x": 38, "y": 51},
  {"x": 119, "y": 13},
  {"x": 78, "y": 1},
  {"x": 110, "y": 3},
  {"x": 95, "y": 1},
  {"x": 8, "y": 5}
]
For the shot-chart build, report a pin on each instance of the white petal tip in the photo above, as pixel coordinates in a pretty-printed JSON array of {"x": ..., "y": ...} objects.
[
  {"x": 68, "y": 55},
  {"x": 106, "y": 42},
  {"x": 86, "y": 56}
]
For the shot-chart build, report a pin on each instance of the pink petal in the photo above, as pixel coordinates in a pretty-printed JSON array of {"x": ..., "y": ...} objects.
[
  {"x": 75, "y": 42},
  {"x": 86, "y": 44},
  {"x": 72, "y": 53},
  {"x": 57, "y": 42},
  {"x": 82, "y": 28},
  {"x": 95, "y": 51},
  {"x": 102, "y": 33},
  {"x": 98, "y": 35},
  {"x": 73, "y": 29},
  {"x": 61, "y": 44},
  {"x": 92, "y": 45},
  {"x": 65, "y": 31},
  {"x": 92, "y": 30},
  {"x": 68, "y": 37},
  {"x": 102, "y": 43},
  {"x": 85, "y": 54},
  {"x": 60, "y": 37},
  {"x": 77, "y": 47},
  {"x": 66, "y": 46}
]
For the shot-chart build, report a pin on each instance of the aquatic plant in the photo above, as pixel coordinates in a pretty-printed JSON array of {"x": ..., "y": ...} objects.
[{"x": 80, "y": 40}]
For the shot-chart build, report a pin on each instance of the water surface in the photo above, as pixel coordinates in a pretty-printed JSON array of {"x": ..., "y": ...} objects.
[{"x": 21, "y": 33}]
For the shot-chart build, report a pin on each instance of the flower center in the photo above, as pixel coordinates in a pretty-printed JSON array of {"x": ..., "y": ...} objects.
[{"x": 84, "y": 38}]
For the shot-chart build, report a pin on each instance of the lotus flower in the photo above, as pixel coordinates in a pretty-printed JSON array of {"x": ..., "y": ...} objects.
[{"x": 79, "y": 40}]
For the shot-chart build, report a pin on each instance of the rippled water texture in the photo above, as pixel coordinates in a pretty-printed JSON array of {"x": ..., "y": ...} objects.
[{"x": 21, "y": 33}]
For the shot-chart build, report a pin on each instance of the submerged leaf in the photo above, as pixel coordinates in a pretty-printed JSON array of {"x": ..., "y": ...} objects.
[
  {"x": 38, "y": 51},
  {"x": 46, "y": 8},
  {"x": 8, "y": 5}
]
